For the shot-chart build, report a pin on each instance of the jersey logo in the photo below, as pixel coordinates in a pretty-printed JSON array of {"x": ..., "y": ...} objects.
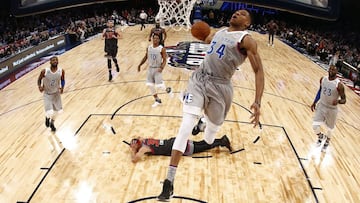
[
  {"x": 187, "y": 55},
  {"x": 188, "y": 98}
]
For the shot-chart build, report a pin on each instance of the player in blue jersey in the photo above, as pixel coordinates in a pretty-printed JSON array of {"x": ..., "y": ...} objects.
[{"x": 330, "y": 94}]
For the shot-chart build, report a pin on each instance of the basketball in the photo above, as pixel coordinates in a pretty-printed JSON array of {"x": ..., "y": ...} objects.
[{"x": 200, "y": 30}]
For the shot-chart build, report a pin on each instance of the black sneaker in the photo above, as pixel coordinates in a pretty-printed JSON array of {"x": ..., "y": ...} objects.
[
  {"x": 110, "y": 77},
  {"x": 167, "y": 191},
  {"x": 156, "y": 103},
  {"x": 52, "y": 126},
  {"x": 325, "y": 146},
  {"x": 168, "y": 90},
  {"x": 117, "y": 69},
  {"x": 225, "y": 142},
  {"x": 199, "y": 127},
  {"x": 47, "y": 122}
]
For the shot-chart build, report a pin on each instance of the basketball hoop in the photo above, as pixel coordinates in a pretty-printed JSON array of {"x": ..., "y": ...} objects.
[{"x": 175, "y": 13}]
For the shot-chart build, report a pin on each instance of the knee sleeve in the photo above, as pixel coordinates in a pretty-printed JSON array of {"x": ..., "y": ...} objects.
[
  {"x": 161, "y": 86},
  {"x": 49, "y": 114},
  {"x": 186, "y": 127},
  {"x": 316, "y": 129},
  {"x": 152, "y": 89},
  {"x": 210, "y": 131},
  {"x": 53, "y": 117}
]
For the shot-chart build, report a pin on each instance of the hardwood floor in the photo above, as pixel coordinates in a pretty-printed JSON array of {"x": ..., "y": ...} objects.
[{"x": 85, "y": 161}]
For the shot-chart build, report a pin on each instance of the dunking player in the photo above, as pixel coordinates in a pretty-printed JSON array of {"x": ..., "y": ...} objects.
[
  {"x": 326, "y": 110},
  {"x": 210, "y": 88},
  {"x": 140, "y": 146},
  {"x": 51, "y": 81},
  {"x": 157, "y": 60},
  {"x": 111, "y": 37},
  {"x": 158, "y": 31}
]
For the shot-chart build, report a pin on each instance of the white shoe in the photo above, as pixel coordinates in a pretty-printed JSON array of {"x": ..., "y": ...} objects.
[{"x": 157, "y": 103}]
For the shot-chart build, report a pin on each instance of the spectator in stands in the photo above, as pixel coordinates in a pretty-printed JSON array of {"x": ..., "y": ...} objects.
[
  {"x": 143, "y": 17},
  {"x": 272, "y": 27},
  {"x": 335, "y": 58},
  {"x": 211, "y": 16},
  {"x": 357, "y": 81}
]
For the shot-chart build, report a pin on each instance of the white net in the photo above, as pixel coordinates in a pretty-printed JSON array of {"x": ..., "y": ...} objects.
[{"x": 175, "y": 13}]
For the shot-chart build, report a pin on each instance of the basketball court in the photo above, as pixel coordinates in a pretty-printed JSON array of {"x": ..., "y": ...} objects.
[{"x": 88, "y": 160}]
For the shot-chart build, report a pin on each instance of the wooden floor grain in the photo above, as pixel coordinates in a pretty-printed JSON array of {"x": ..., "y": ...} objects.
[{"x": 85, "y": 161}]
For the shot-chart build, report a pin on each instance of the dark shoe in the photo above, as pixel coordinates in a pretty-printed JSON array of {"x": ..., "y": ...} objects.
[
  {"x": 168, "y": 90},
  {"x": 325, "y": 146},
  {"x": 52, "y": 126},
  {"x": 156, "y": 103},
  {"x": 167, "y": 191},
  {"x": 47, "y": 122},
  {"x": 110, "y": 77},
  {"x": 117, "y": 69},
  {"x": 321, "y": 137},
  {"x": 225, "y": 142},
  {"x": 200, "y": 127}
]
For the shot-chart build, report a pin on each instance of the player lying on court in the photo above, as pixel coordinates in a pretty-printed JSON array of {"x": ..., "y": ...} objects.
[{"x": 140, "y": 146}]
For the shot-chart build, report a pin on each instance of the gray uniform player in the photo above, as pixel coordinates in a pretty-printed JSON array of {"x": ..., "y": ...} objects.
[
  {"x": 210, "y": 89},
  {"x": 51, "y": 82},
  {"x": 156, "y": 56},
  {"x": 326, "y": 110}
]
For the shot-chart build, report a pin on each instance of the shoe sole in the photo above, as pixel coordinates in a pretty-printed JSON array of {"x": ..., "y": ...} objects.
[
  {"x": 155, "y": 105},
  {"x": 165, "y": 200}
]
